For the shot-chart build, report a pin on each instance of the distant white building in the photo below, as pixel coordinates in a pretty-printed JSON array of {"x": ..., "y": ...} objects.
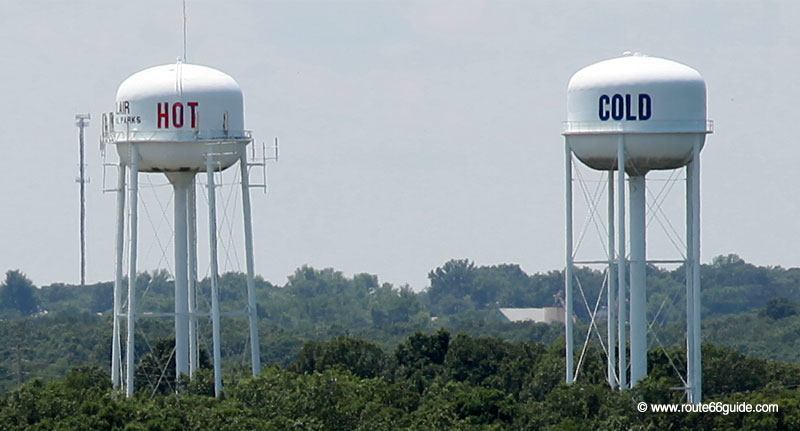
[{"x": 538, "y": 315}]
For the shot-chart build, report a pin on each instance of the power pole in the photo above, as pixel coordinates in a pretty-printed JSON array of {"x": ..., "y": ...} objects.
[{"x": 82, "y": 121}]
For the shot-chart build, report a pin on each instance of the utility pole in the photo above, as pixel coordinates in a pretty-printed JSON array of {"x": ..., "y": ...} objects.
[{"x": 82, "y": 121}]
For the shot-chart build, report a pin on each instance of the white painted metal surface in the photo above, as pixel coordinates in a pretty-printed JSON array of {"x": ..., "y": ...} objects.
[
  {"x": 568, "y": 275},
  {"x": 172, "y": 111},
  {"x": 116, "y": 346},
  {"x": 638, "y": 277},
  {"x": 212, "y": 244},
  {"x": 193, "y": 336},
  {"x": 252, "y": 311},
  {"x": 180, "y": 183},
  {"x": 133, "y": 231},
  {"x": 660, "y": 105},
  {"x": 694, "y": 351},
  {"x": 622, "y": 282},
  {"x": 611, "y": 296}
]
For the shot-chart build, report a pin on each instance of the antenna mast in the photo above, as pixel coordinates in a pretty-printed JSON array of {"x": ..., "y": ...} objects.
[
  {"x": 184, "y": 30},
  {"x": 82, "y": 121}
]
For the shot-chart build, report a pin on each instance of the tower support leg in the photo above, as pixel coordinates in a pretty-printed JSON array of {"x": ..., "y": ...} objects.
[
  {"x": 611, "y": 296},
  {"x": 622, "y": 371},
  {"x": 638, "y": 268},
  {"x": 568, "y": 271},
  {"x": 693, "y": 298},
  {"x": 192, "y": 221},
  {"x": 116, "y": 346},
  {"x": 180, "y": 183},
  {"x": 212, "y": 242},
  {"x": 133, "y": 229},
  {"x": 252, "y": 311}
]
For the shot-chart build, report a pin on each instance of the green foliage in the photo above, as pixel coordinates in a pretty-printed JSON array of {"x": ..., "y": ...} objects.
[
  {"x": 389, "y": 306},
  {"x": 480, "y": 384},
  {"x": 17, "y": 295},
  {"x": 352, "y": 353},
  {"x": 361, "y": 358},
  {"x": 202, "y": 383},
  {"x": 452, "y": 287},
  {"x": 155, "y": 369},
  {"x": 420, "y": 359},
  {"x": 318, "y": 305},
  {"x": 778, "y": 308}
]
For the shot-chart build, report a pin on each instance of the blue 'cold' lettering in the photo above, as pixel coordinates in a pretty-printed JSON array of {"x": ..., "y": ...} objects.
[
  {"x": 628, "y": 104},
  {"x": 603, "y": 112},
  {"x": 645, "y": 107},
  {"x": 619, "y": 107},
  {"x": 616, "y": 106}
]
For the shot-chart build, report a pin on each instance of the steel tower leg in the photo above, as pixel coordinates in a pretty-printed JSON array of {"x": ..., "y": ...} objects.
[
  {"x": 116, "y": 346},
  {"x": 612, "y": 286},
  {"x": 82, "y": 123},
  {"x": 192, "y": 220},
  {"x": 180, "y": 183},
  {"x": 212, "y": 242},
  {"x": 133, "y": 230},
  {"x": 689, "y": 265},
  {"x": 638, "y": 283},
  {"x": 693, "y": 341},
  {"x": 255, "y": 349},
  {"x": 568, "y": 275},
  {"x": 623, "y": 312}
]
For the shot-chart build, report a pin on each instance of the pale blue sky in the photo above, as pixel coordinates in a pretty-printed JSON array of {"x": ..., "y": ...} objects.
[{"x": 412, "y": 132}]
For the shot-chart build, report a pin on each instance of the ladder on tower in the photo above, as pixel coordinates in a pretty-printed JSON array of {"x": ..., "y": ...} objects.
[{"x": 256, "y": 161}]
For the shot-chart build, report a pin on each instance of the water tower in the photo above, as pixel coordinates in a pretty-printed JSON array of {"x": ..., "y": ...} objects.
[
  {"x": 636, "y": 114},
  {"x": 179, "y": 120}
]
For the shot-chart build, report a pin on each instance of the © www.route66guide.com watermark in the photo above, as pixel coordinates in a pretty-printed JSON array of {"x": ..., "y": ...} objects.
[{"x": 711, "y": 407}]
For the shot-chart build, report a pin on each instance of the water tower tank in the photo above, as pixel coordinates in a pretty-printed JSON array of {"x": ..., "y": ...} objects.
[
  {"x": 175, "y": 113},
  {"x": 658, "y": 105}
]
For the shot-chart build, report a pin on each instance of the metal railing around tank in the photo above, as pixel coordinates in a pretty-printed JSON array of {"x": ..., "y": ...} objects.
[
  {"x": 112, "y": 137},
  {"x": 650, "y": 126}
]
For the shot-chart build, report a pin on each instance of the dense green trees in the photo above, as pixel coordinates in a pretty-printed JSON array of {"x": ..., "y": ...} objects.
[
  {"x": 359, "y": 357},
  {"x": 474, "y": 384},
  {"x": 354, "y": 352},
  {"x": 746, "y": 307},
  {"x": 17, "y": 295},
  {"x": 155, "y": 371},
  {"x": 778, "y": 308}
]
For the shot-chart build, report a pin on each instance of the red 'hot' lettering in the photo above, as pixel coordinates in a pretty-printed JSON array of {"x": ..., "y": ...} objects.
[
  {"x": 177, "y": 114},
  {"x": 193, "y": 112},
  {"x": 163, "y": 114}
]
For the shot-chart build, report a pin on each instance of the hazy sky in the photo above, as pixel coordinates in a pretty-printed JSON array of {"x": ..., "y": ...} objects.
[{"x": 411, "y": 132}]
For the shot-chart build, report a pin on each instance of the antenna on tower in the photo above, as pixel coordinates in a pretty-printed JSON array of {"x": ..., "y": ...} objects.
[
  {"x": 184, "y": 30},
  {"x": 82, "y": 121}
]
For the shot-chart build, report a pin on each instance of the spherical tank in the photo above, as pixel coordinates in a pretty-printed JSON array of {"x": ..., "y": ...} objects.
[
  {"x": 176, "y": 114},
  {"x": 657, "y": 107}
]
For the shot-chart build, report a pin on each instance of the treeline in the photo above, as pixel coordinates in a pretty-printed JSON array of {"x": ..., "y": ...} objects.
[
  {"x": 46, "y": 331},
  {"x": 428, "y": 382},
  {"x": 730, "y": 285}
]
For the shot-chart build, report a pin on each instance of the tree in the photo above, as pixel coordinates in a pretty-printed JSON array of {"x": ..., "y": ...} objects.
[
  {"x": 778, "y": 308},
  {"x": 156, "y": 368},
  {"x": 451, "y": 286},
  {"x": 360, "y": 357},
  {"x": 390, "y": 306},
  {"x": 17, "y": 293},
  {"x": 102, "y": 298},
  {"x": 420, "y": 358}
]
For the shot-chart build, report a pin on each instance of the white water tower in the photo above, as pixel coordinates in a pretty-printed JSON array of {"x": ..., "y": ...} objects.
[
  {"x": 637, "y": 114},
  {"x": 180, "y": 120}
]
